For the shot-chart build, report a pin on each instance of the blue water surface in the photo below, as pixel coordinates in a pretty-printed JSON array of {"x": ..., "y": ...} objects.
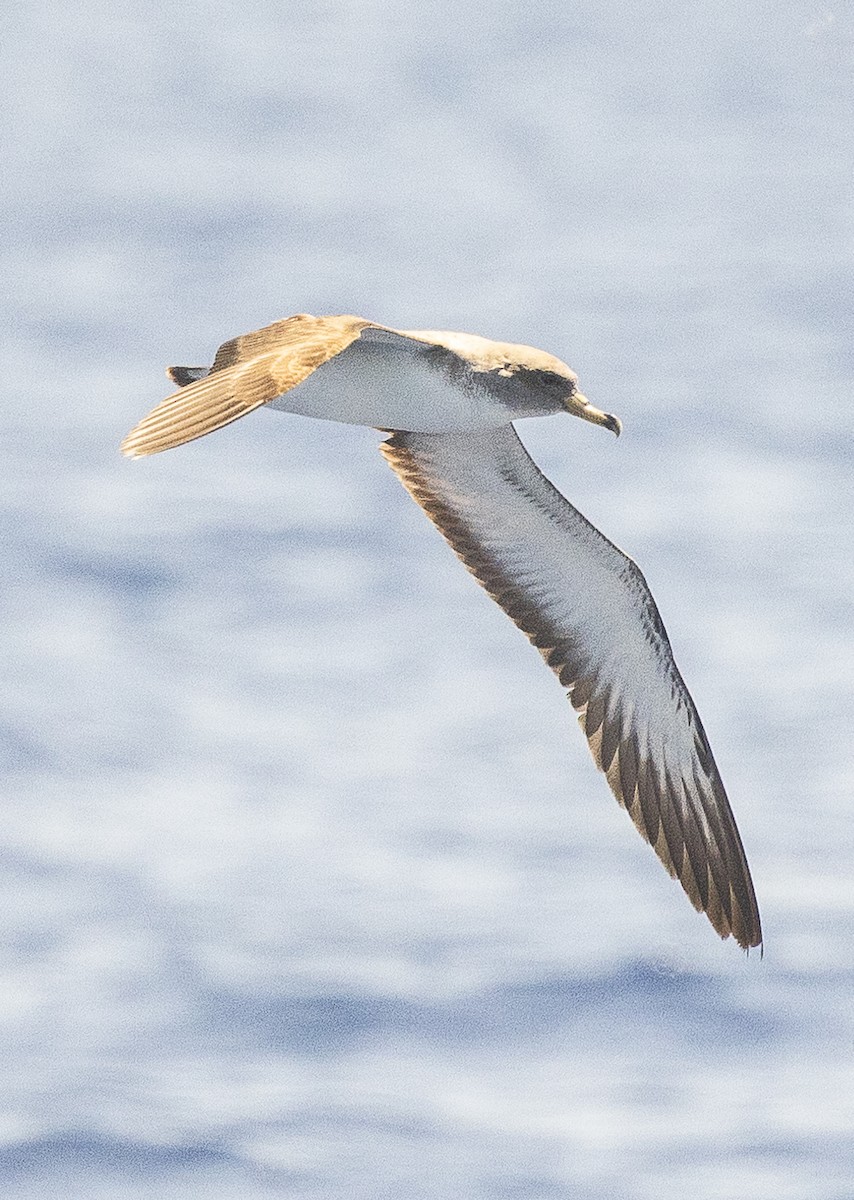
[{"x": 309, "y": 885}]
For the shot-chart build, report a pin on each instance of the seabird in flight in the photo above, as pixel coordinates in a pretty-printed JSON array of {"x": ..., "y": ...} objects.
[{"x": 449, "y": 401}]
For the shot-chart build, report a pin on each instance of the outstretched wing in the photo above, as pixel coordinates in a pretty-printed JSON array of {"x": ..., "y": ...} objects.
[
  {"x": 248, "y": 371},
  {"x": 588, "y": 610}
]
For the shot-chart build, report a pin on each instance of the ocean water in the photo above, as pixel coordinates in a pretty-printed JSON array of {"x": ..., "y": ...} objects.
[{"x": 309, "y": 885}]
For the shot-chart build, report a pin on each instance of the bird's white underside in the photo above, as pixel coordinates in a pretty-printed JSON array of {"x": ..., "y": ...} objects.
[{"x": 387, "y": 380}]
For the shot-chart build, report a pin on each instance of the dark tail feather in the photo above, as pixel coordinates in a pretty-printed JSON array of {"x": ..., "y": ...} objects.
[{"x": 184, "y": 375}]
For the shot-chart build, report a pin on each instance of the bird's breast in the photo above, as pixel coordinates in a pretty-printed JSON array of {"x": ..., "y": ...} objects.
[{"x": 389, "y": 389}]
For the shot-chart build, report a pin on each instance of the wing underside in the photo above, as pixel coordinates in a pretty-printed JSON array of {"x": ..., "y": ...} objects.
[{"x": 588, "y": 610}]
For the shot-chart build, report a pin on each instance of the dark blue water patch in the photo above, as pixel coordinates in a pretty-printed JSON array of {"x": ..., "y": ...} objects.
[
  {"x": 249, "y": 542},
  {"x": 62, "y": 334},
  {"x": 640, "y": 991},
  {"x": 439, "y": 78},
  {"x": 91, "y": 1152},
  {"x": 799, "y": 1149},
  {"x": 209, "y": 227},
  {"x": 828, "y": 1156},
  {"x": 531, "y": 1188},
  {"x": 411, "y": 1124},
  {"x": 270, "y": 118},
  {"x": 134, "y": 579},
  {"x": 25, "y": 754},
  {"x": 311, "y": 1025},
  {"x": 822, "y": 299},
  {"x": 19, "y": 751},
  {"x": 550, "y": 1008},
  {"x": 840, "y": 360}
]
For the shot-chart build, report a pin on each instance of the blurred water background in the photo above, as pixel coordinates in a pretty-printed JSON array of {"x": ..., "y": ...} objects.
[{"x": 309, "y": 886}]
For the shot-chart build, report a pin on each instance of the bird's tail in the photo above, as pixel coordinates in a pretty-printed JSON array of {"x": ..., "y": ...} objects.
[{"x": 184, "y": 375}]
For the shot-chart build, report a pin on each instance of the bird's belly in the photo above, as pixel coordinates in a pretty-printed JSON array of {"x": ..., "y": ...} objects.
[{"x": 391, "y": 391}]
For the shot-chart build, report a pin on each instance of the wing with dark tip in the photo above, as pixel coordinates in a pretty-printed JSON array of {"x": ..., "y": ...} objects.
[
  {"x": 248, "y": 371},
  {"x": 588, "y": 610}
]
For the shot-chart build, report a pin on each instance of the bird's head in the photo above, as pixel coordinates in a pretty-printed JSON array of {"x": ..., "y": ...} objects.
[{"x": 553, "y": 377}]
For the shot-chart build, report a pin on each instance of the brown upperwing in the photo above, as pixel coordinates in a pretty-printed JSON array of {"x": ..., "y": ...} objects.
[{"x": 248, "y": 372}]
